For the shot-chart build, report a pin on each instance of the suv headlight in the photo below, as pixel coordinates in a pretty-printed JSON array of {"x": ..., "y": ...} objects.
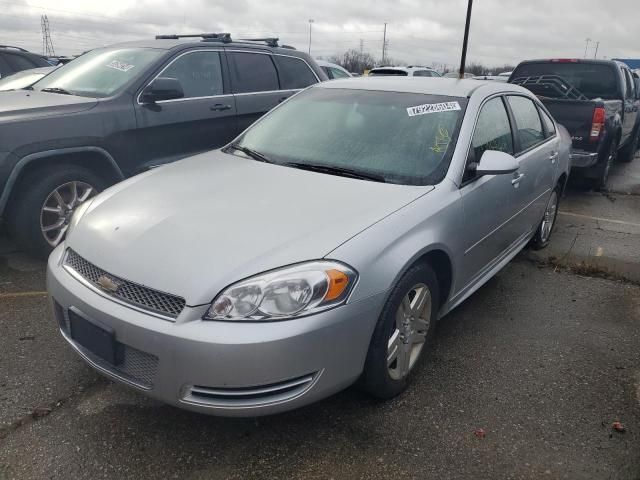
[{"x": 285, "y": 293}]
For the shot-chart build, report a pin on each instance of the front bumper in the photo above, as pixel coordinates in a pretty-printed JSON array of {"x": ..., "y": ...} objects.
[
  {"x": 222, "y": 368},
  {"x": 582, "y": 159}
]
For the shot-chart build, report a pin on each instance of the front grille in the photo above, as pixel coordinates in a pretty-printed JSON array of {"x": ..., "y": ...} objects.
[
  {"x": 249, "y": 396},
  {"x": 129, "y": 292},
  {"x": 137, "y": 367}
]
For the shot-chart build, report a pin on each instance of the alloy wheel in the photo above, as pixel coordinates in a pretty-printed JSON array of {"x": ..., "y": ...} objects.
[
  {"x": 549, "y": 217},
  {"x": 58, "y": 209},
  {"x": 408, "y": 337}
]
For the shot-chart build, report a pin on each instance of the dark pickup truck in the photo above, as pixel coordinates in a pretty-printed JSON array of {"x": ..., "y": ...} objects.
[{"x": 597, "y": 101}]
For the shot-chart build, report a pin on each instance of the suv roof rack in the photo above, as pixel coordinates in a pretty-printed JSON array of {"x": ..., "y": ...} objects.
[
  {"x": 20, "y": 49},
  {"x": 208, "y": 37},
  {"x": 270, "y": 41}
]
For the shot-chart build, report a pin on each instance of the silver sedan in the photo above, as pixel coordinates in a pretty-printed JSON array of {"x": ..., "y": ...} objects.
[{"x": 315, "y": 251}]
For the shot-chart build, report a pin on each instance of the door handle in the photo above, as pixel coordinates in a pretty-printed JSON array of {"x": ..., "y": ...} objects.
[
  {"x": 516, "y": 179},
  {"x": 219, "y": 107},
  {"x": 282, "y": 99},
  {"x": 553, "y": 157}
]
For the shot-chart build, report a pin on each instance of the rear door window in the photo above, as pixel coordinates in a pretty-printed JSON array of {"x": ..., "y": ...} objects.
[
  {"x": 423, "y": 73},
  {"x": 528, "y": 125},
  {"x": 549, "y": 126},
  {"x": 252, "y": 72},
  {"x": 200, "y": 74},
  {"x": 294, "y": 73}
]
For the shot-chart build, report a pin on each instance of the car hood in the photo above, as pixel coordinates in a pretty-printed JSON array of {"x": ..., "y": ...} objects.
[
  {"x": 32, "y": 103},
  {"x": 195, "y": 226}
]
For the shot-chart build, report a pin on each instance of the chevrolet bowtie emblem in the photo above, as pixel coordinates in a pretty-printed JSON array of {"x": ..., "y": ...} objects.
[{"x": 108, "y": 284}]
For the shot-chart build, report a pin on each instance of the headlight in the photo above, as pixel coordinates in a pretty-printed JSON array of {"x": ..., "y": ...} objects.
[
  {"x": 77, "y": 215},
  {"x": 285, "y": 293}
]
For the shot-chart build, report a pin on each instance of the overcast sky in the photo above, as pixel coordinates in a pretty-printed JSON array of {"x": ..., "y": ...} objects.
[{"x": 418, "y": 31}]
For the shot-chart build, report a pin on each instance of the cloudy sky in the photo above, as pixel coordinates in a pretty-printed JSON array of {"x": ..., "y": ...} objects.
[{"x": 418, "y": 31}]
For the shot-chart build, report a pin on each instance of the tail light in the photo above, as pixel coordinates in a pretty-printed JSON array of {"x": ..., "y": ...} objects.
[{"x": 597, "y": 124}]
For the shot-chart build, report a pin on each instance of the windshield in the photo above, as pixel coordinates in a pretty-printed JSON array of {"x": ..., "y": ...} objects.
[
  {"x": 99, "y": 73},
  {"x": 403, "y": 138},
  {"x": 592, "y": 80}
]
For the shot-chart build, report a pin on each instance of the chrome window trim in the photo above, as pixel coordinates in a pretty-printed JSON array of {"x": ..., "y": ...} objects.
[
  {"x": 188, "y": 52},
  {"x": 269, "y": 91}
]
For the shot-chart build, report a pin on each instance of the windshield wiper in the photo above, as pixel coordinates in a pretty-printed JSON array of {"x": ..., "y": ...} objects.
[
  {"x": 341, "y": 171},
  {"x": 59, "y": 90},
  {"x": 251, "y": 153}
]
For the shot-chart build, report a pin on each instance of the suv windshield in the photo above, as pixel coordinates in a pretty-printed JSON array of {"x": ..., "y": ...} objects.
[
  {"x": 593, "y": 80},
  {"x": 99, "y": 73},
  {"x": 404, "y": 138}
]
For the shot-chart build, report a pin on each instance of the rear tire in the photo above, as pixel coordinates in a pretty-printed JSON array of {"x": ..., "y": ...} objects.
[
  {"x": 628, "y": 152},
  {"x": 403, "y": 333},
  {"x": 27, "y": 216},
  {"x": 543, "y": 235},
  {"x": 604, "y": 167}
]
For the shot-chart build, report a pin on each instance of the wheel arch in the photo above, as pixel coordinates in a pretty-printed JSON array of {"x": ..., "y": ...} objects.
[{"x": 91, "y": 157}]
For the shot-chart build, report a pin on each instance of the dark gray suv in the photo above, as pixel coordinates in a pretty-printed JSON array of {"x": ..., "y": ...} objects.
[{"x": 120, "y": 110}]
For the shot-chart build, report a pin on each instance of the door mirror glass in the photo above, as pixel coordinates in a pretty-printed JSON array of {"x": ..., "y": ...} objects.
[
  {"x": 636, "y": 80},
  {"x": 494, "y": 162},
  {"x": 162, "y": 88}
]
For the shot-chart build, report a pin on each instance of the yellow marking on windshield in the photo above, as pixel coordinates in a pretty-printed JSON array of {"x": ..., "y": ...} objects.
[{"x": 442, "y": 140}]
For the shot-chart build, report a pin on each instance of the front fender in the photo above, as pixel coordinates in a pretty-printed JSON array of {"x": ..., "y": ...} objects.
[{"x": 383, "y": 252}]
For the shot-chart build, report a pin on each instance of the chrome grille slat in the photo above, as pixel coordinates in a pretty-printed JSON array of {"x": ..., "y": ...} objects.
[{"x": 143, "y": 297}]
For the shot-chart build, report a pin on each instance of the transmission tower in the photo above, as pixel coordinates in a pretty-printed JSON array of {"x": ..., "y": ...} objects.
[{"x": 47, "y": 44}]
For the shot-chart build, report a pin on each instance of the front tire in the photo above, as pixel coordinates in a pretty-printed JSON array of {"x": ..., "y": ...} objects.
[
  {"x": 39, "y": 214},
  {"x": 403, "y": 333},
  {"x": 545, "y": 229}
]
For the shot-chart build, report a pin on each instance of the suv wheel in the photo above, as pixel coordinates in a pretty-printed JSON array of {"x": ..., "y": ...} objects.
[
  {"x": 39, "y": 217},
  {"x": 629, "y": 151},
  {"x": 403, "y": 333}
]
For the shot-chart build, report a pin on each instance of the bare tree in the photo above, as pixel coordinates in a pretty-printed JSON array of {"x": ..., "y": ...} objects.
[{"x": 354, "y": 60}]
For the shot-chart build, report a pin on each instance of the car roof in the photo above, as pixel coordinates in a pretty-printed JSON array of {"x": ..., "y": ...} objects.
[
  {"x": 324, "y": 63},
  {"x": 180, "y": 43},
  {"x": 425, "y": 85}
]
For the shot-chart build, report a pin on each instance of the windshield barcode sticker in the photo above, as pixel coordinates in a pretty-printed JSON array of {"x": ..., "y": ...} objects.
[
  {"x": 123, "y": 67},
  {"x": 433, "y": 108}
]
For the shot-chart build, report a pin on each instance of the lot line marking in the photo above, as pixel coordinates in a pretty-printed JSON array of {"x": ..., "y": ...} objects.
[
  {"x": 22, "y": 294},
  {"x": 599, "y": 219}
]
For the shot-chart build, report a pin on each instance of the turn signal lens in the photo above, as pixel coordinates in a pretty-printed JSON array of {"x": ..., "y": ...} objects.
[
  {"x": 288, "y": 292},
  {"x": 338, "y": 281}
]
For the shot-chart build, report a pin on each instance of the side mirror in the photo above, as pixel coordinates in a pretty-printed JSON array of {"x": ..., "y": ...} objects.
[
  {"x": 162, "y": 88},
  {"x": 494, "y": 162},
  {"x": 636, "y": 80}
]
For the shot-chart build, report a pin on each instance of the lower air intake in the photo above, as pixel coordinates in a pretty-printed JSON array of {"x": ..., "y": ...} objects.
[{"x": 249, "y": 396}]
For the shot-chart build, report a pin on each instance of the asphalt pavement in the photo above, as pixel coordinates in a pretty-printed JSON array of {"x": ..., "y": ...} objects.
[{"x": 525, "y": 380}]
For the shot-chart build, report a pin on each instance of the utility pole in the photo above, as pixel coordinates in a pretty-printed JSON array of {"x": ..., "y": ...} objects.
[
  {"x": 310, "y": 24},
  {"x": 586, "y": 47},
  {"x": 384, "y": 43},
  {"x": 463, "y": 60},
  {"x": 595, "y": 55},
  {"x": 47, "y": 44}
]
